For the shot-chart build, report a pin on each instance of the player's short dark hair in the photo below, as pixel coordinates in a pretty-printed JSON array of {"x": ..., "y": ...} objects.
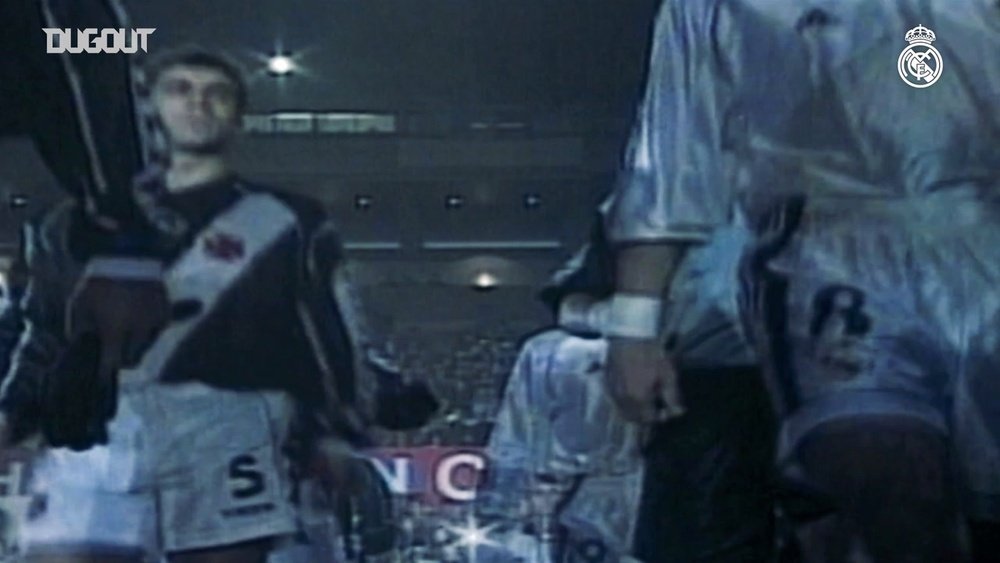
[{"x": 196, "y": 56}]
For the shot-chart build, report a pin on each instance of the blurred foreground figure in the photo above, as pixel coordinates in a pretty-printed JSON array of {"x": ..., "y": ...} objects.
[
  {"x": 871, "y": 287},
  {"x": 11, "y": 319},
  {"x": 565, "y": 470},
  {"x": 80, "y": 110},
  {"x": 570, "y": 473},
  {"x": 185, "y": 369}
]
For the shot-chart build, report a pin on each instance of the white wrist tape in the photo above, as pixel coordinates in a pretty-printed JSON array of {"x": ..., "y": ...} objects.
[
  {"x": 634, "y": 316},
  {"x": 579, "y": 313}
]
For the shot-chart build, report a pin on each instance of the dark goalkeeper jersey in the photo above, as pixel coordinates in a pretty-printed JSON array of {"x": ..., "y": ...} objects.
[{"x": 248, "y": 271}]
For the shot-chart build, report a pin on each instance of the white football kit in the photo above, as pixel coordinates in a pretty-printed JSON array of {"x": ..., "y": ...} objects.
[{"x": 873, "y": 286}]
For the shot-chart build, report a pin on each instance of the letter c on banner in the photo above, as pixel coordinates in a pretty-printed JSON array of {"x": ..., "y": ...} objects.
[{"x": 444, "y": 476}]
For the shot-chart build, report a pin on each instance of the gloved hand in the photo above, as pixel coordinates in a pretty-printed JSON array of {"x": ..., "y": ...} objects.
[
  {"x": 124, "y": 301},
  {"x": 116, "y": 311},
  {"x": 398, "y": 404},
  {"x": 77, "y": 403},
  {"x": 404, "y": 406}
]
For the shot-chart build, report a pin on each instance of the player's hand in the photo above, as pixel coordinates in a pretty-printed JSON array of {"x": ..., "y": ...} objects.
[
  {"x": 642, "y": 380},
  {"x": 124, "y": 302},
  {"x": 76, "y": 401},
  {"x": 405, "y": 406}
]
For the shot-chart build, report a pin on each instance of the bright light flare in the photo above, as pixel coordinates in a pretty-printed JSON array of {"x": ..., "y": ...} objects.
[
  {"x": 471, "y": 535},
  {"x": 281, "y": 65},
  {"x": 485, "y": 280}
]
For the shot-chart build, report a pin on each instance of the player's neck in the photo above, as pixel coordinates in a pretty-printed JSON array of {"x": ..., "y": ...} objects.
[{"x": 189, "y": 171}]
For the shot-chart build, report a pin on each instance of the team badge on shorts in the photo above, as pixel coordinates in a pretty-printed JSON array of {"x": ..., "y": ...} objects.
[{"x": 920, "y": 64}]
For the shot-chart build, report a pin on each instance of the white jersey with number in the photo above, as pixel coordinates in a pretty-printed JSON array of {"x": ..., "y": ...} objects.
[{"x": 881, "y": 295}]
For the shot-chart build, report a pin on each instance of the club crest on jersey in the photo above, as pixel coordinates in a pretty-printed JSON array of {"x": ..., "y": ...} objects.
[
  {"x": 223, "y": 246},
  {"x": 920, "y": 64}
]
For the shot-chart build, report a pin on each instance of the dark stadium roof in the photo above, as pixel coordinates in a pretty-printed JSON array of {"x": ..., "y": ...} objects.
[{"x": 517, "y": 110}]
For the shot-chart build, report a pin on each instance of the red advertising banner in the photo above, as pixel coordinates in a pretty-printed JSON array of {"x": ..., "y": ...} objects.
[{"x": 435, "y": 474}]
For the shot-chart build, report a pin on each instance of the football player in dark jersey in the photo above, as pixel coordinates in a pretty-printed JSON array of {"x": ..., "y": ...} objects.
[{"x": 172, "y": 361}]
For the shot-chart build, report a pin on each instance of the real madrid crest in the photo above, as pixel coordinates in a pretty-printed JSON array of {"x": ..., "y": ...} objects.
[{"x": 920, "y": 64}]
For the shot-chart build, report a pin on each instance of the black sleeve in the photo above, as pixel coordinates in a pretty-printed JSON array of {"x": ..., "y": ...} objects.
[
  {"x": 11, "y": 316},
  {"x": 324, "y": 253},
  {"x": 42, "y": 312},
  {"x": 334, "y": 409},
  {"x": 11, "y": 324},
  {"x": 384, "y": 395},
  {"x": 361, "y": 383}
]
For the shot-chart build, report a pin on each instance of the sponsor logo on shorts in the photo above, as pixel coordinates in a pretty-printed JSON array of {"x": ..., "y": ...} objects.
[
  {"x": 93, "y": 40},
  {"x": 245, "y": 479},
  {"x": 249, "y": 510},
  {"x": 840, "y": 329},
  {"x": 920, "y": 64}
]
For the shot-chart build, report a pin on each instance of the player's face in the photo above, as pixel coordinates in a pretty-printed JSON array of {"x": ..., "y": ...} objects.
[{"x": 198, "y": 108}]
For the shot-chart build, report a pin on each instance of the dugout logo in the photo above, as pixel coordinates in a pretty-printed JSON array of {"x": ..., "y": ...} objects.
[
  {"x": 93, "y": 40},
  {"x": 920, "y": 64}
]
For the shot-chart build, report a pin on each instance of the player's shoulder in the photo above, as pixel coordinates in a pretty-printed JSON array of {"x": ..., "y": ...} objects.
[
  {"x": 702, "y": 15},
  {"x": 316, "y": 226},
  {"x": 726, "y": 24},
  {"x": 691, "y": 16},
  {"x": 736, "y": 16},
  {"x": 871, "y": 15},
  {"x": 308, "y": 210},
  {"x": 58, "y": 235},
  {"x": 54, "y": 222}
]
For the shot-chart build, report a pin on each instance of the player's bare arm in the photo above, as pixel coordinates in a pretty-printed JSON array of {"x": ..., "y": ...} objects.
[{"x": 641, "y": 376}]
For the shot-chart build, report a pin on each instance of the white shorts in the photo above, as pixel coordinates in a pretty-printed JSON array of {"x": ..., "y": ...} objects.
[
  {"x": 187, "y": 467},
  {"x": 560, "y": 449},
  {"x": 871, "y": 318}
]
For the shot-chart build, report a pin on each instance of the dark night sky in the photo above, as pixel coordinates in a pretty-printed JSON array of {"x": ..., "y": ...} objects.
[
  {"x": 426, "y": 54},
  {"x": 577, "y": 63}
]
